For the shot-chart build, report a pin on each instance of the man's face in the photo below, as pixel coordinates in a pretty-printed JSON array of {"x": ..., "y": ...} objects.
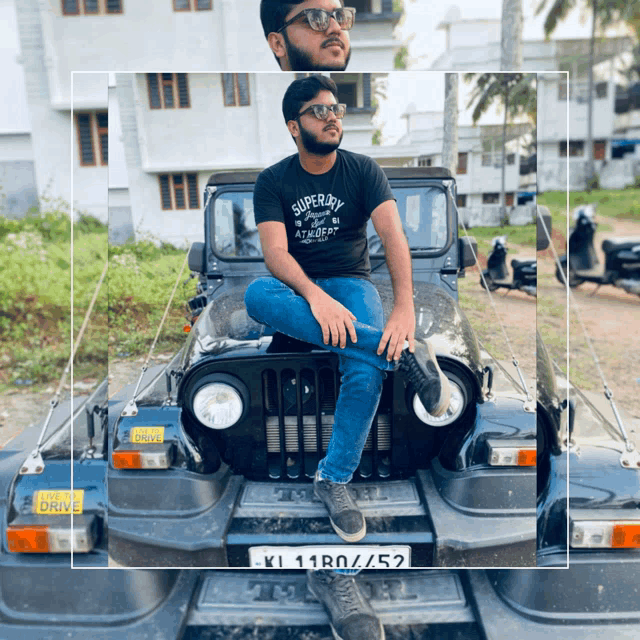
[
  {"x": 309, "y": 50},
  {"x": 320, "y": 137}
]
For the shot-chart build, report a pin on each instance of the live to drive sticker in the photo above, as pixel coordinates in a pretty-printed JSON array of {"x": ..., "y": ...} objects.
[{"x": 146, "y": 435}]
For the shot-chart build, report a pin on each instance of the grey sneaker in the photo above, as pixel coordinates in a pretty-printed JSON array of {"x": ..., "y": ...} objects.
[
  {"x": 422, "y": 370},
  {"x": 350, "y": 614},
  {"x": 344, "y": 515}
]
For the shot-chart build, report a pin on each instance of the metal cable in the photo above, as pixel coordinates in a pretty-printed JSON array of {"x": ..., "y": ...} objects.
[
  {"x": 576, "y": 308},
  {"x": 493, "y": 304}
]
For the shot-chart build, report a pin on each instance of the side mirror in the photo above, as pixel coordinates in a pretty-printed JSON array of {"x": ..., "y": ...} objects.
[
  {"x": 543, "y": 214},
  {"x": 196, "y": 257},
  {"x": 467, "y": 249}
]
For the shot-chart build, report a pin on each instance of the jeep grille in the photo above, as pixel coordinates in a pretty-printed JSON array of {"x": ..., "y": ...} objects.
[{"x": 299, "y": 405}]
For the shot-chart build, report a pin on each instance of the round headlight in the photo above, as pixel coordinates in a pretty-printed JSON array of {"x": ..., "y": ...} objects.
[
  {"x": 456, "y": 407},
  {"x": 218, "y": 405}
]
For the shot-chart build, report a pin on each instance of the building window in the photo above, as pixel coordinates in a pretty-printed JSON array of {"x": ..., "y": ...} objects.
[
  {"x": 490, "y": 198},
  {"x": 424, "y": 161},
  {"x": 236, "y": 89},
  {"x": 462, "y": 163},
  {"x": 347, "y": 88},
  {"x": 508, "y": 199},
  {"x": 177, "y": 190},
  {"x": 576, "y": 148},
  {"x": 90, "y": 7},
  {"x": 165, "y": 89},
  {"x": 461, "y": 200},
  {"x": 93, "y": 138},
  {"x": 599, "y": 149},
  {"x": 192, "y": 5}
]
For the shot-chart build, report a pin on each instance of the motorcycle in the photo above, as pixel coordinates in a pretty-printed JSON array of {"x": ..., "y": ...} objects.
[
  {"x": 497, "y": 274},
  {"x": 622, "y": 256}
]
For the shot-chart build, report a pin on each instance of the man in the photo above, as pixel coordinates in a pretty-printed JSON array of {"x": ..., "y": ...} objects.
[
  {"x": 308, "y": 36},
  {"x": 311, "y": 211}
]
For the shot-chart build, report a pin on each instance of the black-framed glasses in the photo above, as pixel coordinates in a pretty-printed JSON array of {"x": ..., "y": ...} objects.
[
  {"x": 318, "y": 19},
  {"x": 321, "y": 111}
]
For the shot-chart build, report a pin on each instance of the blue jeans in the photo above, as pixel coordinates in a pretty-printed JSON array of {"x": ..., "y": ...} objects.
[{"x": 273, "y": 303}]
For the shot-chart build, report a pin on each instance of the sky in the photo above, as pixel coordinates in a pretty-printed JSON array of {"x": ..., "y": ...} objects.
[{"x": 428, "y": 43}]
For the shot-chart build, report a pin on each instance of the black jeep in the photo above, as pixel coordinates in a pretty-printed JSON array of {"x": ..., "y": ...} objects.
[
  {"x": 596, "y": 597},
  {"x": 459, "y": 490}
]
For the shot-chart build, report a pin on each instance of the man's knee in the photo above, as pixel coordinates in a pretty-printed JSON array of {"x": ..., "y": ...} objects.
[{"x": 256, "y": 294}]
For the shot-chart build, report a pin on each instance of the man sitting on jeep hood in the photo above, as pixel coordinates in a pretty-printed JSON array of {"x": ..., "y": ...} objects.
[{"x": 311, "y": 211}]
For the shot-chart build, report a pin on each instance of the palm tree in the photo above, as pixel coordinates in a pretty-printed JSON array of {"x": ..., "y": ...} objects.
[
  {"x": 511, "y": 35},
  {"x": 517, "y": 93},
  {"x": 604, "y": 13},
  {"x": 450, "y": 124}
]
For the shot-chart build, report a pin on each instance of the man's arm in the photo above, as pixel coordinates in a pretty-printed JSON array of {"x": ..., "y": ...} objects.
[
  {"x": 401, "y": 324},
  {"x": 334, "y": 319}
]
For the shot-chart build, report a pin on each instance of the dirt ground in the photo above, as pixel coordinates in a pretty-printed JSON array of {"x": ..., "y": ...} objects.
[
  {"x": 611, "y": 317},
  {"x": 517, "y": 313}
]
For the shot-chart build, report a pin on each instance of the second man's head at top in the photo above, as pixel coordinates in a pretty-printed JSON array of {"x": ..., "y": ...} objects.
[{"x": 308, "y": 36}]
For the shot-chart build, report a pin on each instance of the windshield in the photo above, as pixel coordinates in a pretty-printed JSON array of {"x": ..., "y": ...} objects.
[{"x": 423, "y": 212}]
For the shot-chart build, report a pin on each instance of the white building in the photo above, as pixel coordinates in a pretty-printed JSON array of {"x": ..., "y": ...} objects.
[
  {"x": 479, "y": 171},
  {"x": 44, "y": 41},
  {"x": 219, "y": 122},
  {"x": 474, "y": 45}
]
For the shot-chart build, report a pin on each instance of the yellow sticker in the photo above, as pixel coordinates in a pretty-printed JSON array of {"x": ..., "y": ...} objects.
[
  {"x": 145, "y": 435},
  {"x": 58, "y": 503}
]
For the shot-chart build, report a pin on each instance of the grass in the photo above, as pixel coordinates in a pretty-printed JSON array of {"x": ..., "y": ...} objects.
[
  {"x": 516, "y": 235},
  {"x": 35, "y": 293},
  {"x": 141, "y": 278},
  {"x": 623, "y": 203}
]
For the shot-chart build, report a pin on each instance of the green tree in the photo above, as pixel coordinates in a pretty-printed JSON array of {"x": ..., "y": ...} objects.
[
  {"x": 516, "y": 92},
  {"x": 604, "y": 13}
]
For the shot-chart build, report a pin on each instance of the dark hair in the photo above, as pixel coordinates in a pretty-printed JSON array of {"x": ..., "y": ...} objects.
[
  {"x": 303, "y": 90},
  {"x": 273, "y": 12}
]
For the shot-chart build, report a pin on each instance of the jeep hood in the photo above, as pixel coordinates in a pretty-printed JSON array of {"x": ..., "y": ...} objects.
[{"x": 225, "y": 329}]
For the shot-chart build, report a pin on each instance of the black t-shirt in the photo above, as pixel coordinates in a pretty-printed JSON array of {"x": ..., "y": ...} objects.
[{"x": 325, "y": 215}]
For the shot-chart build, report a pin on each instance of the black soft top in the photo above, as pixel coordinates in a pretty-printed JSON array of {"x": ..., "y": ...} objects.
[{"x": 393, "y": 173}]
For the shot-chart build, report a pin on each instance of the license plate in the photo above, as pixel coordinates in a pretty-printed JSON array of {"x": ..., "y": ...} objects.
[
  {"x": 58, "y": 503},
  {"x": 330, "y": 557},
  {"x": 145, "y": 435}
]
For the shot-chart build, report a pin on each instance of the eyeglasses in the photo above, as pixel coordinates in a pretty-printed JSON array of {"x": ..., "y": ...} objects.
[
  {"x": 318, "y": 19},
  {"x": 321, "y": 111}
]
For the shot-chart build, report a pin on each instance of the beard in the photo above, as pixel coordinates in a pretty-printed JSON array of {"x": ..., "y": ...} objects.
[
  {"x": 300, "y": 60},
  {"x": 312, "y": 145}
]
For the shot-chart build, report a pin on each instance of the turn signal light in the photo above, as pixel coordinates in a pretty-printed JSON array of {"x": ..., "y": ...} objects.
[
  {"x": 58, "y": 537},
  {"x": 607, "y": 529},
  {"x": 510, "y": 453},
  {"x": 28, "y": 538},
  {"x": 126, "y": 460},
  {"x": 158, "y": 456}
]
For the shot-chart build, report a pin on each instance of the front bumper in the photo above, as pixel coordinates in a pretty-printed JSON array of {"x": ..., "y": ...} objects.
[
  {"x": 223, "y": 604},
  {"x": 223, "y": 515}
]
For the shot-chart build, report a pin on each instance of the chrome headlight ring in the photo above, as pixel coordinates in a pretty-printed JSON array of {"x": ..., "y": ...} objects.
[{"x": 218, "y": 400}]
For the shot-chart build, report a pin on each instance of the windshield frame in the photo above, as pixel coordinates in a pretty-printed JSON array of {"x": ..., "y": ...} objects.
[{"x": 210, "y": 223}]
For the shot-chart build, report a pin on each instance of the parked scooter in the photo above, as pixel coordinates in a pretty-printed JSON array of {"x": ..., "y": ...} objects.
[
  {"x": 497, "y": 274},
  {"x": 622, "y": 256}
]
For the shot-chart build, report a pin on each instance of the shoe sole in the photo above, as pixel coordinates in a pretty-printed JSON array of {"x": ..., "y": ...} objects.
[
  {"x": 445, "y": 391},
  {"x": 333, "y": 630},
  {"x": 347, "y": 537}
]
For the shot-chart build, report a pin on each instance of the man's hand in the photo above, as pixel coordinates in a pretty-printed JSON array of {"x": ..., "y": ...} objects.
[
  {"x": 334, "y": 319},
  {"x": 401, "y": 326}
]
